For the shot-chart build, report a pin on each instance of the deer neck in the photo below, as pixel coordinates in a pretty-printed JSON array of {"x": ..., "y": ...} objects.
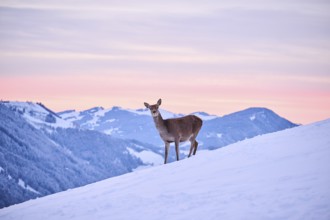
[{"x": 159, "y": 122}]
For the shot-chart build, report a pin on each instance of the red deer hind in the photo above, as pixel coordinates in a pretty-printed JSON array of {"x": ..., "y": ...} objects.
[{"x": 176, "y": 129}]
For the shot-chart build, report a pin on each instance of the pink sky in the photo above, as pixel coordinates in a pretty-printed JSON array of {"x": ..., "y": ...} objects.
[
  {"x": 213, "y": 57},
  {"x": 298, "y": 102}
]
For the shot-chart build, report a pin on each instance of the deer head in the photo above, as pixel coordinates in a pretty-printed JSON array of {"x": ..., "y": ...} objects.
[{"x": 154, "y": 108}]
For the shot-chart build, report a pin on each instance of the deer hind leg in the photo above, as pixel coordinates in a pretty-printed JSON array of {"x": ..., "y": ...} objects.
[
  {"x": 195, "y": 148},
  {"x": 167, "y": 146},
  {"x": 192, "y": 146}
]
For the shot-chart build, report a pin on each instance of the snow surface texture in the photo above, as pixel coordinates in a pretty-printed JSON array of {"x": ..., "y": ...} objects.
[{"x": 282, "y": 175}]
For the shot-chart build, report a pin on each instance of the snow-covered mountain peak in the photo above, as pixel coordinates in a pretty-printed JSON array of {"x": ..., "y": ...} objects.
[
  {"x": 116, "y": 108},
  {"x": 140, "y": 111},
  {"x": 38, "y": 115},
  {"x": 204, "y": 116},
  {"x": 92, "y": 110},
  {"x": 253, "y": 110}
]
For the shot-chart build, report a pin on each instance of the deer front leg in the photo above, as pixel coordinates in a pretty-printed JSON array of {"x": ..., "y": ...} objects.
[
  {"x": 167, "y": 146},
  {"x": 177, "y": 142}
]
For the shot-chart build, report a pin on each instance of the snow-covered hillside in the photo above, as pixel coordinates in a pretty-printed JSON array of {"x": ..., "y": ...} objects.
[
  {"x": 37, "y": 159},
  {"x": 282, "y": 175}
]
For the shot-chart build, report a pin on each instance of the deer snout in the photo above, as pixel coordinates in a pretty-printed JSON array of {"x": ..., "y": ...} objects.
[{"x": 154, "y": 112}]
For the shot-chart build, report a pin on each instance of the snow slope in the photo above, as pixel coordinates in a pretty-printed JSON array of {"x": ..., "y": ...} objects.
[{"x": 282, "y": 175}]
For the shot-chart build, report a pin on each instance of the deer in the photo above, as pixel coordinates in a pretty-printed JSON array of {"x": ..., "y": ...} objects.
[{"x": 176, "y": 129}]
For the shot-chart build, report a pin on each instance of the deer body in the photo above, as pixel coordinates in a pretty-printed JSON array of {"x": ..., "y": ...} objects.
[{"x": 176, "y": 129}]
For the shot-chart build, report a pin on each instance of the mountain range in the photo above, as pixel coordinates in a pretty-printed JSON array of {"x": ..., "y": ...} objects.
[
  {"x": 43, "y": 152},
  {"x": 216, "y": 131}
]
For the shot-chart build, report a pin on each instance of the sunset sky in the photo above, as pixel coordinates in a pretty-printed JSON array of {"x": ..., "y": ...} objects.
[{"x": 214, "y": 56}]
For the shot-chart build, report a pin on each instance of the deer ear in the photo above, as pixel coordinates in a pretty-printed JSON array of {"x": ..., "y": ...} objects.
[
  {"x": 146, "y": 105},
  {"x": 159, "y": 102}
]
